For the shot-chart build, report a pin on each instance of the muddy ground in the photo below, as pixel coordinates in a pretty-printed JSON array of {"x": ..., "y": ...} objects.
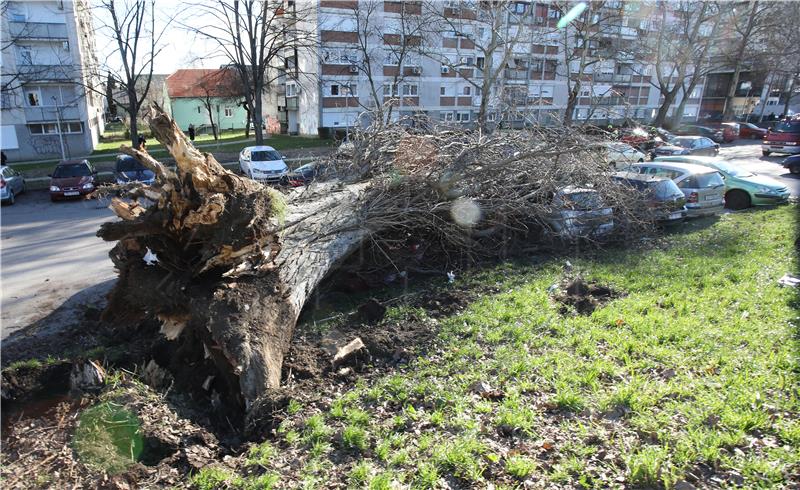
[{"x": 178, "y": 430}]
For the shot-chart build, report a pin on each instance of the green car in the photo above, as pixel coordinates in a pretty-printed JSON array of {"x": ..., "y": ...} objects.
[{"x": 742, "y": 188}]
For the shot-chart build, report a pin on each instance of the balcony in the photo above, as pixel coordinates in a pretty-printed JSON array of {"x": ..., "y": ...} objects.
[
  {"x": 46, "y": 73},
  {"x": 515, "y": 75},
  {"x": 612, "y": 77},
  {"x": 48, "y": 113},
  {"x": 37, "y": 30}
]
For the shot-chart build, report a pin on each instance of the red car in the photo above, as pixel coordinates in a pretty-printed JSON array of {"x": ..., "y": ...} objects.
[
  {"x": 783, "y": 138},
  {"x": 751, "y": 131},
  {"x": 72, "y": 179}
]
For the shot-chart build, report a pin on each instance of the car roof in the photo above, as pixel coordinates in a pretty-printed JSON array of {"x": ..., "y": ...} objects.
[
  {"x": 686, "y": 167},
  {"x": 691, "y": 137},
  {"x": 639, "y": 177},
  {"x": 73, "y": 162},
  {"x": 259, "y": 148},
  {"x": 698, "y": 160}
]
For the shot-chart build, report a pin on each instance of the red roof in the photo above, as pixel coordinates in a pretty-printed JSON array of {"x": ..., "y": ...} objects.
[{"x": 195, "y": 82}]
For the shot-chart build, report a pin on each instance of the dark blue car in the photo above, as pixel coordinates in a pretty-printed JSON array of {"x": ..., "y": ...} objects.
[
  {"x": 792, "y": 163},
  {"x": 128, "y": 169}
]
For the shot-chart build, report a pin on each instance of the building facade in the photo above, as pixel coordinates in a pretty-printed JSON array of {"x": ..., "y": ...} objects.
[
  {"x": 52, "y": 105},
  {"x": 434, "y": 59},
  {"x": 202, "y": 97}
]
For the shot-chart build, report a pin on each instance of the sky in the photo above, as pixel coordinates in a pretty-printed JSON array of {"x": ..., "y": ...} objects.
[{"x": 180, "y": 48}]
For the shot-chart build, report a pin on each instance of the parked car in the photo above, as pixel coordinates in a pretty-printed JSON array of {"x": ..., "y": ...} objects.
[
  {"x": 730, "y": 130},
  {"x": 715, "y": 135},
  {"x": 688, "y": 145},
  {"x": 792, "y": 164},
  {"x": 304, "y": 174},
  {"x": 263, "y": 163},
  {"x": 580, "y": 213},
  {"x": 645, "y": 139},
  {"x": 72, "y": 178},
  {"x": 742, "y": 188},
  {"x": 703, "y": 187},
  {"x": 620, "y": 155},
  {"x": 751, "y": 131},
  {"x": 664, "y": 199},
  {"x": 128, "y": 169},
  {"x": 12, "y": 184},
  {"x": 783, "y": 138}
]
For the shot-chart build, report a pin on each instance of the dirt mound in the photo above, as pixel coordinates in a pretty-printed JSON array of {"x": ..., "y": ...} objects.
[{"x": 583, "y": 297}]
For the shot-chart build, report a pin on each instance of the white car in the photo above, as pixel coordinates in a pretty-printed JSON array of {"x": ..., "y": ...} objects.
[
  {"x": 262, "y": 163},
  {"x": 621, "y": 155}
]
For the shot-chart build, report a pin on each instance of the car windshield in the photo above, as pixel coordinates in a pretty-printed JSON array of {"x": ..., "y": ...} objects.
[
  {"x": 265, "y": 156},
  {"x": 731, "y": 170},
  {"x": 581, "y": 201},
  {"x": 71, "y": 170},
  {"x": 129, "y": 164},
  {"x": 788, "y": 127},
  {"x": 664, "y": 189},
  {"x": 684, "y": 142}
]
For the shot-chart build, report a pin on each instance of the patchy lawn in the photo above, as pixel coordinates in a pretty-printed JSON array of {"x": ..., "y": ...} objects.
[{"x": 689, "y": 376}]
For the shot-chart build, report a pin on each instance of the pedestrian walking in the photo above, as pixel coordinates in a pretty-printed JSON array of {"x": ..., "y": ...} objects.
[{"x": 191, "y": 132}]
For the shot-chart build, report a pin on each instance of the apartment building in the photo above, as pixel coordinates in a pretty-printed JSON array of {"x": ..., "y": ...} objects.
[
  {"x": 50, "y": 104},
  {"x": 430, "y": 58}
]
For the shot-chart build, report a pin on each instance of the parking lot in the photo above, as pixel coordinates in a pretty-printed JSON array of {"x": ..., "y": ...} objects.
[{"x": 50, "y": 252}]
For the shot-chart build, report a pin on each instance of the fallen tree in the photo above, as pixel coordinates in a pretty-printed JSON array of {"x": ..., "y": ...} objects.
[{"x": 226, "y": 264}]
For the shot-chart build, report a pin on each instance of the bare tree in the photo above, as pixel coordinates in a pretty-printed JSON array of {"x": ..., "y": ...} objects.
[
  {"x": 486, "y": 37},
  {"x": 385, "y": 52},
  {"x": 749, "y": 23},
  {"x": 259, "y": 38},
  {"x": 782, "y": 53},
  {"x": 219, "y": 87},
  {"x": 586, "y": 42}
]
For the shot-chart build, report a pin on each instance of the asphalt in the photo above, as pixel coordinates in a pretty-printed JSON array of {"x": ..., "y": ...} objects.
[{"x": 50, "y": 255}]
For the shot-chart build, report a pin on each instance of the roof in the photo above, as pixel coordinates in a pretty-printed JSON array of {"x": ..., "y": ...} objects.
[
  {"x": 72, "y": 162},
  {"x": 197, "y": 82},
  {"x": 691, "y": 168},
  {"x": 639, "y": 177},
  {"x": 259, "y": 148}
]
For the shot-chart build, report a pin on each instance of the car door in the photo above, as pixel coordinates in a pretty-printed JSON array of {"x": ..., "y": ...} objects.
[{"x": 19, "y": 182}]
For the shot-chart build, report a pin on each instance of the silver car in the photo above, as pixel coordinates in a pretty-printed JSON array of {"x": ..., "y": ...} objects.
[
  {"x": 580, "y": 213},
  {"x": 11, "y": 184},
  {"x": 703, "y": 187}
]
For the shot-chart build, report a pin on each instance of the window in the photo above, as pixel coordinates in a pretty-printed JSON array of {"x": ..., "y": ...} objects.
[
  {"x": 467, "y": 90},
  {"x": 410, "y": 89},
  {"x": 25, "y": 55},
  {"x": 291, "y": 89},
  {"x": 334, "y": 90},
  {"x": 554, "y": 14},
  {"x": 442, "y": 90},
  {"x": 229, "y": 112},
  {"x": 339, "y": 56},
  {"x": 480, "y": 62},
  {"x": 462, "y": 116},
  {"x": 52, "y": 128},
  {"x": 547, "y": 91},
  {"x": 491, "y": 117},
  {"x": 519, "y": 8},
  {"x": 446, "y": 116},
  {"x": 481, "y": 32},
  {"x": 33, "y": 97},
  {"x": 390, "y": 90}
]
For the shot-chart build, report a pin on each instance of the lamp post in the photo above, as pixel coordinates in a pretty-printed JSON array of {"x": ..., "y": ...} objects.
[{"x": 58, "y": 125}]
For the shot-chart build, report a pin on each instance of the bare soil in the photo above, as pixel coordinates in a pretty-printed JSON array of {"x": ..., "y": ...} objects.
[{"x": 583, "y": 297}]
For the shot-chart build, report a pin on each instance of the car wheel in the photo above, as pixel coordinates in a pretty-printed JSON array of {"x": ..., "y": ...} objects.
[
  {"x": 641, "y": 160},
  {"x": 765, "y": 152},
  {"x": 737, "y": 199},
  {"x": 11, "y": 198}
]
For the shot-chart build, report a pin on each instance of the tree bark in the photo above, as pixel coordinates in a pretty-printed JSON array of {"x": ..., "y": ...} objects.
[{"x": 220, "y": 265}]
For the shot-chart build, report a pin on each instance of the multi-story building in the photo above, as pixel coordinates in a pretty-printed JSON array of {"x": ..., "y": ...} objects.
[
  {"x": 434, "y": 58},
  {"x": 52, "y": 105}
]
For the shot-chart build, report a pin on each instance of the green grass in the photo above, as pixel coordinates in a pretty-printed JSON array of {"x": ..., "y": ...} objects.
[{"x": 695, "y": 367}]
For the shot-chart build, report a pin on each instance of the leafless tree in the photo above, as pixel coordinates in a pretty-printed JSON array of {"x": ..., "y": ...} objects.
[
  {"x": 131, "y": 26},
  {"x": 219, "y": 87},
  {"x": 261, "y": 40},
  {"x": 487, "y": 36},
  {"x": 782, "y": 53},
  {"x": 585, "y": 42},
  {"x": 749, "y": 22}
]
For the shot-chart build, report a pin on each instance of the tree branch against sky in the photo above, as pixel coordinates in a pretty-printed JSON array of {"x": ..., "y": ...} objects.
[{"x": 135, "y": 30}]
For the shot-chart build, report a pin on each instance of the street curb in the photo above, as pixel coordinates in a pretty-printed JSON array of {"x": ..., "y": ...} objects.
[{"x": 39, "y": 183}]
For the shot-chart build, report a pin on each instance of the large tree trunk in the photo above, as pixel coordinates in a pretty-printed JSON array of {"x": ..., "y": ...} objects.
[{"x": 233, "y": 264}]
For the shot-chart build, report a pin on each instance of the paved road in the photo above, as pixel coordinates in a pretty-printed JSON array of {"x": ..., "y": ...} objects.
[{"x": 49, "y": 253}]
